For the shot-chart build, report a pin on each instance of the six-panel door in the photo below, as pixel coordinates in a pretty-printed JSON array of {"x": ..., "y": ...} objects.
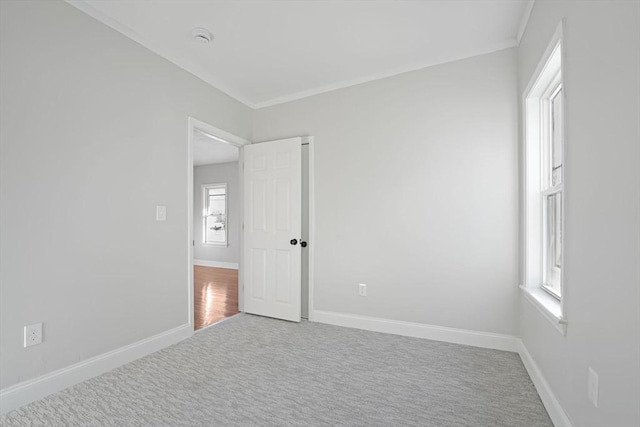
[{"x": 272, "y": 221}]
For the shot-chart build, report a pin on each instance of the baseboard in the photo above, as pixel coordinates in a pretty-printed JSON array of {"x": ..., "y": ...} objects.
[
  {"x": 28, "y": 391},
  {"x": 457, "y": 336},
  {"x": 419, "y": 330},
  {"x": 552, "y": 405},
  {"x": 218, "y": 264}
]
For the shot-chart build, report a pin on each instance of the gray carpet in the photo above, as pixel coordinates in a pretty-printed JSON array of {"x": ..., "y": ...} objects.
[{"x": 251, "y": 370}]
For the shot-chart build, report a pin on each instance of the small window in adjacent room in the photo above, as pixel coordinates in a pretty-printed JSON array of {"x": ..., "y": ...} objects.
[
  {"x": 214, "y": 210},
  {"x": 544, "y": 165}
]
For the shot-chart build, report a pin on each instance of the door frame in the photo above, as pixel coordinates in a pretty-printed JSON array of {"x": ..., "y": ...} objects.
[
  {"x": 226, "y": 138},
  {"x": 229, "y": 138},
  {"x": 311, "y": 244}
]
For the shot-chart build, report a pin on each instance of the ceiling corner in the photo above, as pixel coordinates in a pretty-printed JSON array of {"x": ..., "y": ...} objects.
[
  {"x": 171, "y": 57},
  {"x": 524, "y": 20}
]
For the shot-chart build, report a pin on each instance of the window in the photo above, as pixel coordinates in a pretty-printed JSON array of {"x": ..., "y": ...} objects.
[
  {"x": 214, "y": 212},
  {"x": 552, "y": 188},
  {"x": 544, "y": 147}
]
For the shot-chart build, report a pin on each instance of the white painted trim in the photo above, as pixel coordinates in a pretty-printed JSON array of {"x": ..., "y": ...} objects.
[
  {"x": 524, "y": 20},
  {"x": 547, "y": 305},
  {"x": 532, "y": 210},
  {"x": 383, "y": 75},
  {"x": 190, "y": 242},
  {"x": 557, "y": 37},
  {"x": 217, "y": 264},
  {"x": 558, "y": 416},
  {"x": 218, "y": 134},
  {"x": 420, "y": 330},
  {"x": 173, "y": 57},
  {"x": 241, "y": 242},
  {"x": 227, "y": 138},
  {"x": 457, "y": 336},
  {"x": 28, "y": 391},
  {"x": 312, "y": 235}
]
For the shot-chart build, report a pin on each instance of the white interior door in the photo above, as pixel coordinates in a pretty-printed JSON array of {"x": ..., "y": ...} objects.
[{"x": 272, "y": 228}]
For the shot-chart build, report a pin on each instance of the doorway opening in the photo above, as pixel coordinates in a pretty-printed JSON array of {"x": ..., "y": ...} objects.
[
  {"x": 214, "y": 224},
  {"x": 217, "y": 285}
]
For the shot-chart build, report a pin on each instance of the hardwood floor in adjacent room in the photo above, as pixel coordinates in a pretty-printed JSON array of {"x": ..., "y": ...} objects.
[{"x": 215, "y": 294}]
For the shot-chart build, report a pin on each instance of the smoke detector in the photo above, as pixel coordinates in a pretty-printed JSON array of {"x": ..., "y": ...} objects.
[{"x": 202, "y": 35}]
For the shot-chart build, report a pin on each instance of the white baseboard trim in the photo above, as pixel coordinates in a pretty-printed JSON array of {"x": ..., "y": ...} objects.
[
  {"x": 218, "y": 264},
  {"x": 419, "y": 330},
  {"x": 28, "y": 391},
  {"x": 456, "y": 336},
  {"x": 552, "y": 405}
]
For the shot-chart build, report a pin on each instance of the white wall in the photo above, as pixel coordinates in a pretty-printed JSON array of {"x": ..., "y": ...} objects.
[
  {"x": 602, "y": 233},
  {"x": 217, "y": 174},
  {"x": 93, "y": 135},
  {"x": 416, "y": 193}
]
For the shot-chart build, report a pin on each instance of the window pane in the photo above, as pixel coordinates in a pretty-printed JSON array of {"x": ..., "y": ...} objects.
[
  {"x": 216, "y": 205},
  {"x": 215, "y": 221},
  {"x": 556, "y": 138},
  {"x": 553, "y": 243}
]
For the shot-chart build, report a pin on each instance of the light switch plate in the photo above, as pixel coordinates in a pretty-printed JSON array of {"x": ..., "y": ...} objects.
[
  {"x": 362, "y": 290},
  {"x": 592, "y": 387},
  {"x": 161, "y": 213}
]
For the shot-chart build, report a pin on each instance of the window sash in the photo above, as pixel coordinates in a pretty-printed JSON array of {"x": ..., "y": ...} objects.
[
  {"x": 552, "y": 275},
  {"x": 556, "y": 137},
  {"x": 546, "y": 132},
  {"x": 214, "y": 224}
]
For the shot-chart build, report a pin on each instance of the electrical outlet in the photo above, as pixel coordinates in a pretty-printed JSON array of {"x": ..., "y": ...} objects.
[
  {"x": 362, "y": 290},
  {"x": 592, "y": 387},
  {"x": 33, "y": 334}
]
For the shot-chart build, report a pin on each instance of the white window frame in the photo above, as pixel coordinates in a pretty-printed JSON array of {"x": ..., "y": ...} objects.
[
  {"x": 547, "y": 78},
  {"x": 205, "y": 203},
  {"x": 548, "y": 189}
]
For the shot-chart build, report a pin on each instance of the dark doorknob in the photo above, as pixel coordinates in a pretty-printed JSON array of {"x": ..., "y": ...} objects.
[
  {"x": 303, "y": 244},
  {"x": 294, "y": 242}
]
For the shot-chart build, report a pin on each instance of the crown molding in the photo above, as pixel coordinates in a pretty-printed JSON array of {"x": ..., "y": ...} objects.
[
  {"x": 207, "y": 77},
  {"x": 525, "y": 19},
  {"x": 383, "y": 75}
]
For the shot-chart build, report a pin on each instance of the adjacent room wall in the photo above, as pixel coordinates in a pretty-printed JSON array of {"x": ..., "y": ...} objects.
[
  {"x": 415, "y": 193},
  {"x": 217, "y": 174},
  {"x": 602, "y": 223},
  {"x": 93, "y": 135}
]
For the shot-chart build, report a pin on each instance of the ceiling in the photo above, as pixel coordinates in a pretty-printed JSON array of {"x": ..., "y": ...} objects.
[
  {"x": 209, "y": 151},
  {"x": 266, "y": 52}
]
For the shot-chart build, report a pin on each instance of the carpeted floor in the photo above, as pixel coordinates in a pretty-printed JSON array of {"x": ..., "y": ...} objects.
[{"x": 251, "y": 370}]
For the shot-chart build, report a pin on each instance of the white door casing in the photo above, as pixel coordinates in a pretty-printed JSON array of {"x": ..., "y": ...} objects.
[{"x": 272, "y": 219}]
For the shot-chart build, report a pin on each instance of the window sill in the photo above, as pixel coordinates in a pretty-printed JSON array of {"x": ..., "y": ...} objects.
[
  {"x": 216, "y": 245},
  {"x": 547, "y": 305}
]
